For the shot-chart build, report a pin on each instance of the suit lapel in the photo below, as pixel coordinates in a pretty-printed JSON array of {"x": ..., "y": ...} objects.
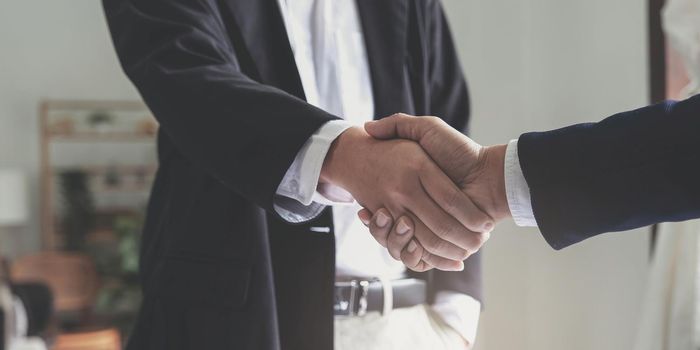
[
  {"x": 265, "y": 36},
  {"x": 384, "y": 23}
]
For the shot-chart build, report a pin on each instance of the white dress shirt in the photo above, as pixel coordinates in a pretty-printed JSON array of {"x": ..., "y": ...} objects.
[
  {"x": 329, "y": 49},
  {"x": 517, "y": 189}
]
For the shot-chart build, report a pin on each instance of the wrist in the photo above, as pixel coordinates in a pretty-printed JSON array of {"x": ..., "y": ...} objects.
[
  {"x": 337, "y": 166},
  {"x": 495, "y": 163}
]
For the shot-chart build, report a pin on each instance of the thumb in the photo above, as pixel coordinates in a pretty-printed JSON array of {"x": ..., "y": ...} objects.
[{"x": 398, "y": 126}]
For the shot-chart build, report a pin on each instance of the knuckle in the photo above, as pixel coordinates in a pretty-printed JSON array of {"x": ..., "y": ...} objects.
[
  {"x": 462, "y": 253},
  {"x": 420, "y": 267},
  {"x": 465, "y": 254},
  {"x": 410, "y": 261},
  {"x": 396, "y": 254},
  {"x": 381, "y": 211},
  {"x": 430, "y": 119},
  {"x": 375, "y": 230},
  {"x": 434, "y": 120},
  {"x": 379, "y": 235},
  {"x": 480, "y": 239},
  {"x": 426, "y": 256},
  {"x": 477, "y": 219},
  {"x": 395, "y": 245},
  {"x": 380, "y": 239}
]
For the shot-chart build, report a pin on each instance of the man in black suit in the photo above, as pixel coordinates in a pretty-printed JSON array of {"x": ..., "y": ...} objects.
[
  {"x": 630, "y": 170},
  {"x": 234, "y": 254}
]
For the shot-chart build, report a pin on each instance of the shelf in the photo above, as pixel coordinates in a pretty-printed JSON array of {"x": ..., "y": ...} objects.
[
  {"x": 130, "y": 190},
  {"x": 101, "y": 137},
  {"x": 103, "y": 169}
]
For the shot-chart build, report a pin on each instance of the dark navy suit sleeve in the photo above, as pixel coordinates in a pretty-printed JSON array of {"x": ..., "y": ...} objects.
[
  {"x": 630, "y": 170},
  {"x": 180, "y": 57}
]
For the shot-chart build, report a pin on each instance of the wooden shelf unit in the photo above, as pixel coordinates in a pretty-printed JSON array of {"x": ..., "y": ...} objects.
[{"x": 49, "y": 137}]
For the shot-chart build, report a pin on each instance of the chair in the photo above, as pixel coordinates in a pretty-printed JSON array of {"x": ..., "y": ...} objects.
[
  {"x": 72, "y": 278},
  {"x": 74, "y": 282},
  {"x": 108, "y": 339}
]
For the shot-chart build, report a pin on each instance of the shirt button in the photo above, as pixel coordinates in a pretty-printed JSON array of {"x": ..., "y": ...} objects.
[{"x": 295, "y": 186}]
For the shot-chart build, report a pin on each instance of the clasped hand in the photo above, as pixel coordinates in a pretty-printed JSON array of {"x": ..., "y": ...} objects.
[{"x": 444, "y": 188}]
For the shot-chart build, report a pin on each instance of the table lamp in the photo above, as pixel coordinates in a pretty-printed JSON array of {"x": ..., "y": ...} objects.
[{"x": 14, "y": 210}]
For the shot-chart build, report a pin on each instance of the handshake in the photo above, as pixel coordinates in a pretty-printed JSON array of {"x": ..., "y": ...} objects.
[{"x": 431, "y": 195}]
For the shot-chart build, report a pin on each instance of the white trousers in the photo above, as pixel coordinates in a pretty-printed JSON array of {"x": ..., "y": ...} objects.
[{"x": 415, "y": 328}]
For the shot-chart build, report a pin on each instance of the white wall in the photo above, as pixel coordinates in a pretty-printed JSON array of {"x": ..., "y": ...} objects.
[
  {"x": 531, "y": 64},
  {"x": 50, "y": 49},
  {"x": 538, "y": 65}
]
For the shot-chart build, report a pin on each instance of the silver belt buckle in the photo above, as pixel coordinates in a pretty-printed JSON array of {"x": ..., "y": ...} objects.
[
  {"x": 363, "y": 287},
  {"x": 358, "y": 294}
]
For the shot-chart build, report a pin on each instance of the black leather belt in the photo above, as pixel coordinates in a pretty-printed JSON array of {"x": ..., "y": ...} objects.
[{"x": 357, "y": 297}]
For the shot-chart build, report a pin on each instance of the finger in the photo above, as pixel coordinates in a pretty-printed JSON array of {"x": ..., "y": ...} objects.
[
  {"x": 421, "y": 267},
  {"x": 401, "y": 126},
  {"x": 365, "y": 216},
  {"x": 442, "y": 263},
  {"x": 444, "y": 236},
  {"x": 399, "y": 237},
  {"x": 453, "y": 201},
  {"x": 380, "y": 225},
  {"x": 444, "y": 226},
  {"x": 439, "y": 247},
  {"x": 424, "y": 266},
  {"x": 412, "y": 254},
  {"x": 434, "y": 260}
]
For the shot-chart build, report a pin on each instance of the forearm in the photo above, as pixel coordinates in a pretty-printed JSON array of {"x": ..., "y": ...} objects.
[{"x": 630, "y": 170}]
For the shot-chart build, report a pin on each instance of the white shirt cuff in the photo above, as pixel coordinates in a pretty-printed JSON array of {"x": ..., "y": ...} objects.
[
  {"x": 517, "y": 189},
  {"x": 301, "y": 180},
  {"x": 459, "y": 311}
]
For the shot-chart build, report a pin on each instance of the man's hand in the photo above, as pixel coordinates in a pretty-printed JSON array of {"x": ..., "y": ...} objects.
[
  {"x": 400, "y": 177},
  {"x": 477, "y": 170}
]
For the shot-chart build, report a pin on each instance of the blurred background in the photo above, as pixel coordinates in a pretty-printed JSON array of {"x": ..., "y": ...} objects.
[{"x": 77, "y": 157}]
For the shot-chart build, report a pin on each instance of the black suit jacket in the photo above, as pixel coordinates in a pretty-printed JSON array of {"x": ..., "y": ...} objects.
[
  {"x": 630, "y": 170},
  {"x": 219, "y": 269}
]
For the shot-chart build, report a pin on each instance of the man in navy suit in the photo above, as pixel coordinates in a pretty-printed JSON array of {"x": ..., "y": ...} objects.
[{"x": 630, "y": 170}]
